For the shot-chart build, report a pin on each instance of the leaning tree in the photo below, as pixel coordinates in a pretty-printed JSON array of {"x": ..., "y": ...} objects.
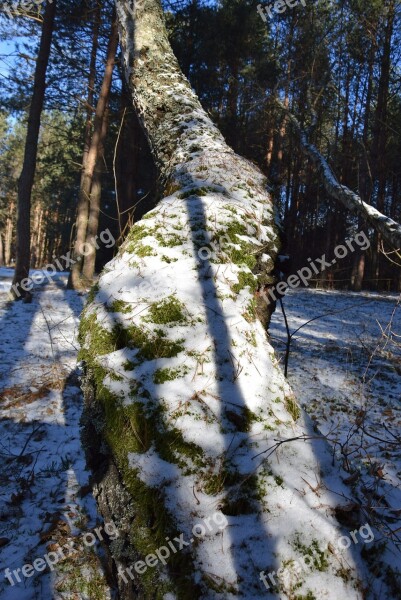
[{"x": 190, "y": 427}]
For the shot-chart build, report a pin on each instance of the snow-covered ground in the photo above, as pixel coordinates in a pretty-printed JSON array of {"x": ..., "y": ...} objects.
[
  {"x": 345, "y": 370},
  {"x": 45, "y": 496}
]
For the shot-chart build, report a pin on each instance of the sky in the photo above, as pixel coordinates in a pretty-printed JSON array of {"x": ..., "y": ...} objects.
[
  {"x": 6, "y": 61},
  {"x": 10, "y": 35}
]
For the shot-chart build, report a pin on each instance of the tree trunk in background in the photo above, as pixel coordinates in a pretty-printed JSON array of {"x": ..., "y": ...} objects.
[
  {"x": 75, "y": 280},
  {"x": 1, "y": 251},
  {"x": 88, "y": 268},
  {"x": 182, "y": 389},
  {"x": 8, "y": 236},
  {"x": 26, "y": 179},
  {"x": 36, "y": 234},
  {"x": 380, "y": 134},
  {"x": 83, "y": 202}
]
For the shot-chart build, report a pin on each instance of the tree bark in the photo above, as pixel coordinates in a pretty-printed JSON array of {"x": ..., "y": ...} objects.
[
  {"x": 88, "y": 268},
  {"x": 1, "y": 250},
  {"x": 182, "y": 390},
  {"x": 75, "y": 279},
  {"x": 9, "y": 236},
  {"x": 25, "y": 182}
]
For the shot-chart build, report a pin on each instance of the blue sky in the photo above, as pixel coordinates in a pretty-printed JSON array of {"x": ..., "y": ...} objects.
[
  {"x": 12, "y": 30},
  {"x": 6, "y": 64}
]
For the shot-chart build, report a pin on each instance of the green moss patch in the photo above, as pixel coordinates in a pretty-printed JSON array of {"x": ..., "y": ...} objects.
[
  {"x": 92, "y": 293},
  {"x": 169, "y": 240},
  {"x": 292, "y": 407},
  {"x": 245, "y": 279},
  {"x": 167, "y": 311},
  {"x": 119, "y": 306},
  {"x": 319, "y": 560},
  {"x": 242, "y": 256},
  {"x": 162, "y": 375}
]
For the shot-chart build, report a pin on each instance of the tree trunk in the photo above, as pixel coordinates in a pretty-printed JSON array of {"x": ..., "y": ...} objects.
[
  {"x": 82, "y": 205},
  {"x": 182, "y": 390},
  {"x": 9, "y": 236},
  {"x": 36, "y": 233},
  {"x": 25, "y": 182},
  {"x": 390, "y": 230},
  {"x": 75, "y": 280},
  {"x": 88, "y": 268},
  {"x": 380, "y": 133}
]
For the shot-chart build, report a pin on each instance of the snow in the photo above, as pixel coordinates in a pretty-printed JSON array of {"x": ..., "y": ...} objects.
[
  {"x": 229, "y": 367},
  {"x": 43, "y": 474},
  {"x": 346, "y": 370},
  {"x": 340, "y": 366}
]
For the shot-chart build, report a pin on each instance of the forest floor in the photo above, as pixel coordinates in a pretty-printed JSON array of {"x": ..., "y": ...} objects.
[
  {"x": 344, "y": 367},
  {"x": 45, "y": 496}
]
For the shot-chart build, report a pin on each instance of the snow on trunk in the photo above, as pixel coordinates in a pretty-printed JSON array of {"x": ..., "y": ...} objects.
[
  {"x": 387, "y": 227},
  {"x": 189, "y": 387}
]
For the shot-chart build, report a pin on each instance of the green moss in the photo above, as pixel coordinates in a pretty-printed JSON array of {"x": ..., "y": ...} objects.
[
  {"x": 119, "y": 306},
  {"x": 168, "y": 260},
  {"x": 138, "y": 232},
  {"x": 162, "y": 375},
  {"x": 134, "y": 428},
  {"x": 309, "y": 596},
  {"x": 245, "y": 279},
  {"x": 195, "y": 148},
  {"x": 215, "y": 482},
  {"x": 292, "y": 407},
  {"x": 142, "y": 251},
  {"x": 318, "y": 556},
  {"x": 92, "y": 293},
  {"x": 130, "y": 431},
  {"x": 168, "y": 240},
  {"x": 244, "y": 497},
  {"x": 242, "y": 257},
  {"x": 151, "y": 345},
  {"x": 250, "y": 313},
  {"x": 173, "y": 448},
  {"x": 242, "y": 418},
  {"x": 171, "y": 188},
  {"x": 230, "y": 209},
  {"x": 235, "y": 228},
  {"x": 251, "y": 338},
  {"x": 197, "y": 191},
  {"x": 167, "y": 311},
  {"x": 102, "y": 339}
]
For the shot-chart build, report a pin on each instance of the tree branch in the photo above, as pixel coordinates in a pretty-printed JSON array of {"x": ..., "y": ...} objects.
[{"x": 389, "y": 229}]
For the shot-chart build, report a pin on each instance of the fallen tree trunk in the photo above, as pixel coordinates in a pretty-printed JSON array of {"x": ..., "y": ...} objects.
[
  {"x": 183, "y": 391},
  {"x": 389, "y": 229}
]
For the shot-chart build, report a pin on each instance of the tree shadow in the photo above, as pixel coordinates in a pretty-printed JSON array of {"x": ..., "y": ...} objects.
[
  {"x": 232, "y": 415},
  {"x": 233, "y": 409},
  {"x": 255, "y": 545},
  {"x": 43, "y": 466}
]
